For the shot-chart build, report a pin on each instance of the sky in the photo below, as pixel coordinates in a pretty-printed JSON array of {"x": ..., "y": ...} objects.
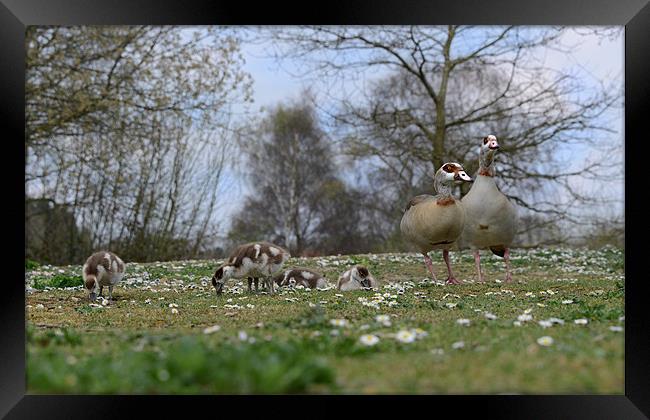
[{"x": 594, "y": 61}]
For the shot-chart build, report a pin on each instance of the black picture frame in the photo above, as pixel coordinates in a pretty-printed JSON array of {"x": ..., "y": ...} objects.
[{"x": 15, "y": 15}]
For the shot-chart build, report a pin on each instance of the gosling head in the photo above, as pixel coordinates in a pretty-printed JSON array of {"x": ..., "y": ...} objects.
[
  {"x": 220, "y": 276},
  {"x": 91, "y": 285},
  {"x": 362, "y": 274}
]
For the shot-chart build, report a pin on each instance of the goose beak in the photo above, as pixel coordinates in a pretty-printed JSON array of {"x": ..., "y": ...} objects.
[
  {"x": 219, "y": 288},
  {"x": 463, "y": 177},
  {"x": 92, "y": 297},
  {"x": 494, "y": 146}
]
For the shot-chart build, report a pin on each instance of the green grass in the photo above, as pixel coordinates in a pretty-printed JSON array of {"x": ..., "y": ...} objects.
[
  {"x": 58, "y": 281},
  {"x": 287, "y": 344},
  {"x": 31, "y": 264}
]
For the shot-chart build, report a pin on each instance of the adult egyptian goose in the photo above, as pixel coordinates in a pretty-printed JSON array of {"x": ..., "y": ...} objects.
[
  {"x": 490, "y": 218},
  {"x": 436, "y": 221},
  {"x": 356, "y": 278},
  {"x": 101, "y": 269},
  {"x": 301, "y": 276},
  {"x": 253, "y": 260}
]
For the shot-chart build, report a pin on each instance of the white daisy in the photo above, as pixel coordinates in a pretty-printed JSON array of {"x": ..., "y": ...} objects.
[
  {"x": 405, "y": 336},
  {"x": 174, "y": 310},
  {"x": 242, "y": 336},
  {"x": 490, "y": 316},
  {"x": 616, "y": 328},
  {"x": 581, "y": 321},
  {"x": 458, "y": 345},
  {"x": 545, "y": 341},
  {"x": 369, "y": 340},
  {"x": 545, "y": 323},
  {"x": 567, "y": 302},
  {"x": 463, "y": 321},
  {"x": 339, "y": 322},
  {"x": 384, "y": 320},
  {"x": 212, "y": 329},
  {"x": 524, "y": 318}
]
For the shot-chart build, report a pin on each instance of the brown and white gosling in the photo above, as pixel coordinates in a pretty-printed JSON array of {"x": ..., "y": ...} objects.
[
  {"x": 253, "y": 260},
  {"x": 356, "y": 278},
  {"x": 436, "y": 221},
  {"x": 490, "y": 219},
  {"x": 101, "y": 269},
  {"x": 301, "y": 276}
]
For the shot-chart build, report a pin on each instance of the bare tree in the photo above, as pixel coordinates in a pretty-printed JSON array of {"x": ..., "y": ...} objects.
[
  {"x": 296, "y": 196},
  {"x": 129, "y": 128},
  {"x": 441, "y": 89}
]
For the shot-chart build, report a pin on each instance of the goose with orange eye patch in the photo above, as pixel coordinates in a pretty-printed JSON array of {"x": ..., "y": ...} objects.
[
  {"x": 435, "y": 222},
  {"x": 491, "y": 219}
]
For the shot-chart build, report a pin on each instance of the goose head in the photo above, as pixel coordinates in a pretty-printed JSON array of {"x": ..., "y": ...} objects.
[
  {"x": 449, "y": 174},
  {"x": 489, "y": 147},
  {"x": 220, "y": 276}
]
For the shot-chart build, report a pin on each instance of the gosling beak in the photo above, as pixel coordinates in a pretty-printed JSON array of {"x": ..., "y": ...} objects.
[{"x": 494, "y": 147}]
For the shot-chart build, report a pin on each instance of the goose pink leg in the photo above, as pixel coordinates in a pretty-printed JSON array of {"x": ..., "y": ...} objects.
[
  {"x": 506, "y": 256},
  {"x": 451, "y": 279},
  {"x": 477, "y": 260},
  {"x": 429, "y": 264}
]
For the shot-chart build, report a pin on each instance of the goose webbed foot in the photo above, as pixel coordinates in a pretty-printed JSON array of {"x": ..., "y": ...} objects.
[{"x": 453, "y": 280}]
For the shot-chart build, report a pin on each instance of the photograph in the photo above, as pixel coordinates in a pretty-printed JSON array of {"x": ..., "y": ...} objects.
[{"x": 325, "y": 210}]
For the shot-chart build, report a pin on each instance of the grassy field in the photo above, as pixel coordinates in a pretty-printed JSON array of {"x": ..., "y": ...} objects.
[{"x": 557, "y": 328}]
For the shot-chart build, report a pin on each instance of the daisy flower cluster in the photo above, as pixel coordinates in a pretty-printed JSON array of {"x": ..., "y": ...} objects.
[{"x": 387, "y": 299}]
